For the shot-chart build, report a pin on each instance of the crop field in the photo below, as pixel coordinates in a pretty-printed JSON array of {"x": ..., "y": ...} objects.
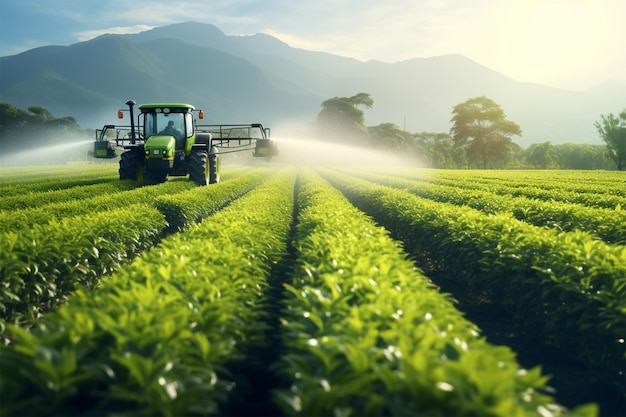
[{"x": 301, "y": 291}]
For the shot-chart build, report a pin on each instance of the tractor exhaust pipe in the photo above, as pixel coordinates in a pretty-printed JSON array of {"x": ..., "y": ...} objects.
[{"x": 130, "y": 104}]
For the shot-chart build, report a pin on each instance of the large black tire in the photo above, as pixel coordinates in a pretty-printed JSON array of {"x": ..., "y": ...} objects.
[
  {"x": 214, "y": 166},
  {"x": 155, "y": 177},
  {"x": 131, "y": 166},
  {"x": 199, "y": 166}
]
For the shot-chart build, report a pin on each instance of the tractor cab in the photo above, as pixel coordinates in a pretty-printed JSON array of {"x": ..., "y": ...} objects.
[
  {"x": 168, "y": 120},
  {"x": 170, "y": 136}
]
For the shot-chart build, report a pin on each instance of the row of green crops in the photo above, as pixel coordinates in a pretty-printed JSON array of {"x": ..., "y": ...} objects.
[
  {"x": 53, "y": 177},
  {"x": 607, "y": 189},
  {"x": 41, "y": 264},
  {"x": 361, "y": 335},
  {"x": 183, "y": 209},
  {"x": 17, "y": 192},
  {"x": 77, "y": 192},
  {"x": 608, "y": 224},
  {"x": 591, "y": 182},
  {"x": 157, "y": 337},
  {"x": 368, "y": 334},
  {"x": 570, "y": 285},
  {"x": 43, "y": 212},
  {"x": 53, "y": 173},
  {"x": 602, "y": 200},
  {"x": 15, "y": 181},
  {"x": 363, "y": 332}
]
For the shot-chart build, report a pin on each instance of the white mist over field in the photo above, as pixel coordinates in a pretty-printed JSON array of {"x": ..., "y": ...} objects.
[
  {"x": 297, "y": 144},
  {"x": 59, "y": 151},
  {"x": 316, "y": 152}
]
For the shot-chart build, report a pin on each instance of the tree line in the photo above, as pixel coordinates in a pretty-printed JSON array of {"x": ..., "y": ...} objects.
[
  {"x": 480, "y": 137},
  {"x": 24, "y": 129}
]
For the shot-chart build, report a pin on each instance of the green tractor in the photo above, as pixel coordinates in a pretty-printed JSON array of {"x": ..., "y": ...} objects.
[{"x": 166, "y": 141}]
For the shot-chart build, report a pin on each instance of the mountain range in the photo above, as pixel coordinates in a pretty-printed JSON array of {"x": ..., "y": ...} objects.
[{"x": 258, "y": 78}]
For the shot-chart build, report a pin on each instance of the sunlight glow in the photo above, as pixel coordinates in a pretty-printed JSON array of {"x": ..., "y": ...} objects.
[{"x": 550, "y": 41}]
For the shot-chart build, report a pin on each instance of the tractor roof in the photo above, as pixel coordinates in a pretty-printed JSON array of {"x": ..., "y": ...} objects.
[{"x": 167, "y": 105}]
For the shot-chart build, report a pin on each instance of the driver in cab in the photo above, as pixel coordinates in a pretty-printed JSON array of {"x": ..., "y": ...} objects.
[{"x": 171, "y": 130}]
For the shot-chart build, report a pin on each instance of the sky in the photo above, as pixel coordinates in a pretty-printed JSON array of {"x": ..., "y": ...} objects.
[{"x": 570, "y": 44}]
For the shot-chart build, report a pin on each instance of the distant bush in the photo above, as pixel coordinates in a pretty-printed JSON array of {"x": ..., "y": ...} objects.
[{"x": 18, "y": 126}]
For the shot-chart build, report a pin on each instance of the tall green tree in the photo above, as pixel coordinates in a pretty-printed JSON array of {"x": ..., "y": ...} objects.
[
  {"x": 480, "y": 125},
  {"x": 580, "y": 156},
  {"x": 11, "y": 119},
  {"x": 390, "y": 137},
  {"x": 21, "y": 130},
  {"x": 539, "y": 155},
  {"x": 342, "y": 120},
  {"x": 612, "y": 129},
  {"x": 40, "y": 113},
  {"x": 439, "y": 150}
]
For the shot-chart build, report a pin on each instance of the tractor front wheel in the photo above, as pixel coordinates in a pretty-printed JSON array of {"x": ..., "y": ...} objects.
[
  {"x": 199, "y": 167},
  {"x": 155, "y": 176},
  {"x": 131, "y": 166}
]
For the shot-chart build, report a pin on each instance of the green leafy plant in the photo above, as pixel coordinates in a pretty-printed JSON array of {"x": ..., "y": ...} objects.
[
  {"x": 156, "y": 337},
  {"x": 568, "y": 284},
  {"x": 368, "y": 334}
]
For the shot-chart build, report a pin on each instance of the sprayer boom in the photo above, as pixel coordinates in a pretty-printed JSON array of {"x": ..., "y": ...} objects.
[{"x": 112, "y": 139}]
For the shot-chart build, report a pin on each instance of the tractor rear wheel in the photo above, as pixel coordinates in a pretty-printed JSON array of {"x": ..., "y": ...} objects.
[
  {"x": 214, "y": 166},
  {"x": 199, "y": 166},
  {"x": 131, "y": 166}
]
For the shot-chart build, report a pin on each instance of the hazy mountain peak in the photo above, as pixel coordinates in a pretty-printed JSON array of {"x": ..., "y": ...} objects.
[
  {"x": 609, "y": 87},
  {"x": 261, "y": 78},
  {"x": 191, "y": 32}
]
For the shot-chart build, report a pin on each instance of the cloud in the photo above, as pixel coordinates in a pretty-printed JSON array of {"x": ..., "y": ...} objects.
[
  {"x": 120, "y": 30},
  {"x": 297, "y": 41},
  {"x": 388, "y": 31},
  {"x": 158, "y": 12}
]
